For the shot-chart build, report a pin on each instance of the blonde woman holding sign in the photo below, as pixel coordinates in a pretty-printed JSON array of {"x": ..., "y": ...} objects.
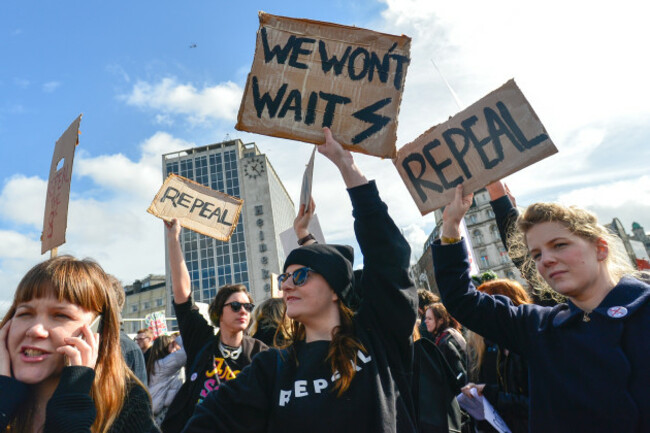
[{"x": 588, "y": 358}]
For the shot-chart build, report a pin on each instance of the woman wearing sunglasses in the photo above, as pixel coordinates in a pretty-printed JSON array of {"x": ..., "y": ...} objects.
[
  {"x": 342, "y": 371},
  {"x": 211, "y": 359}
]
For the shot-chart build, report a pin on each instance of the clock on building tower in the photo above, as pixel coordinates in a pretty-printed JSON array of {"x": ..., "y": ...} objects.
[{"x": 254, "y": 167}]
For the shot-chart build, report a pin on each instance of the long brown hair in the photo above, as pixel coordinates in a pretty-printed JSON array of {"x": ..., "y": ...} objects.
[
  {"x": 442, "y": 315},
  {"x": 83, "y": 283},
  {"x": 159, "y": 350},
  {"x": 343, "y": 349},
  {"x": 501, "y": 286},
  {"x": 271, "y": 314}
]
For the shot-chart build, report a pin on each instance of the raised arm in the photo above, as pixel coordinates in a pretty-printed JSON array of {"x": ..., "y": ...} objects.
[
  {"x": 389, "y": 297},
  {"x": 343, "y": 160},
  {"x": 493, "y": 317},
  {"x": 181, "y": 285}
]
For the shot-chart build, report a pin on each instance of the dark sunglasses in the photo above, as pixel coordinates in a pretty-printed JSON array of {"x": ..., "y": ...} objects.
[
  {"x": 299, "y": 276},
  {"x": 236, "y": 306}
]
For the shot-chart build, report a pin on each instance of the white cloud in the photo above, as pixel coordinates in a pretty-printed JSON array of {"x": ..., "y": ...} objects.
[
  {"x": 628, "y": 200},
  {"x": 219, "y": 102},
  {"x": 51, "y": 86},
  {"x": 108, "y": 223},
  {"x": 22, "y": 200}
]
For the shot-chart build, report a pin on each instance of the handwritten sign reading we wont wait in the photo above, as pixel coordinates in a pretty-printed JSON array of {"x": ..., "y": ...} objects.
[
  {"x": 495, "y": 137},
  {"x": 310, "y": 74},
  {"x": 197, "y": 207}
]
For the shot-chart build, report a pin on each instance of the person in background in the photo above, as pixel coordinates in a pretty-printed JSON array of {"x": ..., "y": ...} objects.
[
  {"x": 270, "y": 325},
  {"x": 56, "y": 374},
  {"x": 498, "y": 373},
  {"x": 447, "y": 336},
  {"x": 425, "y": 297},
  {"x": 341, "y": 371},
  {"x": 165, "y": 373},
  {"x": 130, "y": 350},
  {"x": 587, "y": 357},
  {"x": 144, "y": 339},
  {"x": 212, "y": 360}
]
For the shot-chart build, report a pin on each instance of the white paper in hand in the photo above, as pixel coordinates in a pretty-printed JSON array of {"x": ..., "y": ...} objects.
[
  {"x": 481, "y": 409},
  {"x": 307, "y": 178}
]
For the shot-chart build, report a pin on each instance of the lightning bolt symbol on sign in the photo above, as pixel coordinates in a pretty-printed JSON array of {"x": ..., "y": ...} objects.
[{"x": 368, "y": 115}]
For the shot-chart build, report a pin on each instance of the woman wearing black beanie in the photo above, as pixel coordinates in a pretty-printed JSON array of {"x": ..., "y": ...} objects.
[{"x": 342, "y": 371}]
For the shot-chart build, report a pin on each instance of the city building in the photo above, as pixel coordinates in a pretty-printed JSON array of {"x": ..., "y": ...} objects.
[
  {"x": 641, "y": 236},
  {"x": 489, "y": 251},
  {"x": 144, "y": 297},
  {"x": 254, "y": 252}
]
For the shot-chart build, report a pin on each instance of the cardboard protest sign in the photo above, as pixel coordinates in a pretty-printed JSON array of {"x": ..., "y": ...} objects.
[
  {"x": 310, "y": 74},
  {"x": 55, "y": 219},
  {"x": 197, "y": 207},
  {"x": 307, "y": 182},
  {"x": 495, "y": 137}
]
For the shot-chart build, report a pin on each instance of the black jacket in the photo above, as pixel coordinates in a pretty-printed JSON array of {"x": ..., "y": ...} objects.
[
  {"x": 206, "y": 368},
  {"x": 276, "y": 394}
]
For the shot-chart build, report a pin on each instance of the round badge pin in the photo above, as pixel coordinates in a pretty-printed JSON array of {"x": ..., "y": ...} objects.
[
  {"x": 193, "y": 377},
  {"x": 617, "y": 312}
]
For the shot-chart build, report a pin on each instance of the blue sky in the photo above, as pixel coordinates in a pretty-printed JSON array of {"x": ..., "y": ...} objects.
[{"x": 128, "y": 67}]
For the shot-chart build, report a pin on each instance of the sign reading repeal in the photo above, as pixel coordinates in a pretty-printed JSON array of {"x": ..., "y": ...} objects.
[
  {"x": 55, "y": 220},
  {"x": 495, "y": 137},
  {"x": 197, "y": 207},
  {"x": 310, "y": 74}
]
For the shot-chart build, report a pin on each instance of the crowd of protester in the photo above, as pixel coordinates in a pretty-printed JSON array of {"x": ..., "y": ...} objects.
[{"x": 343, "y": 350}]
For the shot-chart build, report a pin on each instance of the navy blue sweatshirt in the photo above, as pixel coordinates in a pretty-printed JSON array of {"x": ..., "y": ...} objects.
[
  {"x": 274, "y": 394},
  {"x": 583, "y": 376}
]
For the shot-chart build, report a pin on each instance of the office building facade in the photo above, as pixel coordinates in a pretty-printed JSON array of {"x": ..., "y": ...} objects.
[{"x": 254, "y": 253}]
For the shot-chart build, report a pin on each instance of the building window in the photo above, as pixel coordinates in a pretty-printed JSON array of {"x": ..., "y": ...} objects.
[
  {"x": 472, "y": 219},
  {"x": 134, "y": 308},
  {"x": 504, "y": 255},
  {"x": 147, "y": 305},
  {"x": 495, "y": 232},
  {"x": 477, "y": 237},
  {"x": 483, "y": 260},
  {"x": 490, "y": 213},
  {"x": 159, "y": 302}
]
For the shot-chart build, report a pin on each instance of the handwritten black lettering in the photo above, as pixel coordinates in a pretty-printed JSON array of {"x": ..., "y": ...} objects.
[
  {"x": 167, "y": 195},
  {"x": 359, "y": 51},
  {"x": 298, "y": 50},
  {"x": 266, "y": 100},
  {"x": 328, "y": 63},
  {"x": 528, "y": 144},
  {"x": 332, "y": 100},
  {"x": 368, "y": 115},
  {"x": 281, "y": 53}
]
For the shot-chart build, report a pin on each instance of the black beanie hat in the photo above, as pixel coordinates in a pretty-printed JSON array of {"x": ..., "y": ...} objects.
[{"x": 333, "y": 262}]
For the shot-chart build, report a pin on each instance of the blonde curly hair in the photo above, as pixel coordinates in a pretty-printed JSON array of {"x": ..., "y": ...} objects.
[{"x": 579, "y": 222}]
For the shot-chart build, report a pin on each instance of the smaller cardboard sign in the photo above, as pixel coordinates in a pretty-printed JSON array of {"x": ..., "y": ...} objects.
[
  {"x": 495, "y": 137},
  {"x": 197, "y": 207},
  {"x": 308, "y": 74},
  {"x": 307, "y": 182},
  {"x": 55, "y": 220}
]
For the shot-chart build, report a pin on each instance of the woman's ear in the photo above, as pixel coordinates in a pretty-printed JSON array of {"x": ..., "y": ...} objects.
[{"x": 602, "y": 249}]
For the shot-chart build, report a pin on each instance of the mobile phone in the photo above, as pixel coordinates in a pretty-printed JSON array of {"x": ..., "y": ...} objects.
[{"x": 95, "y": 325}]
